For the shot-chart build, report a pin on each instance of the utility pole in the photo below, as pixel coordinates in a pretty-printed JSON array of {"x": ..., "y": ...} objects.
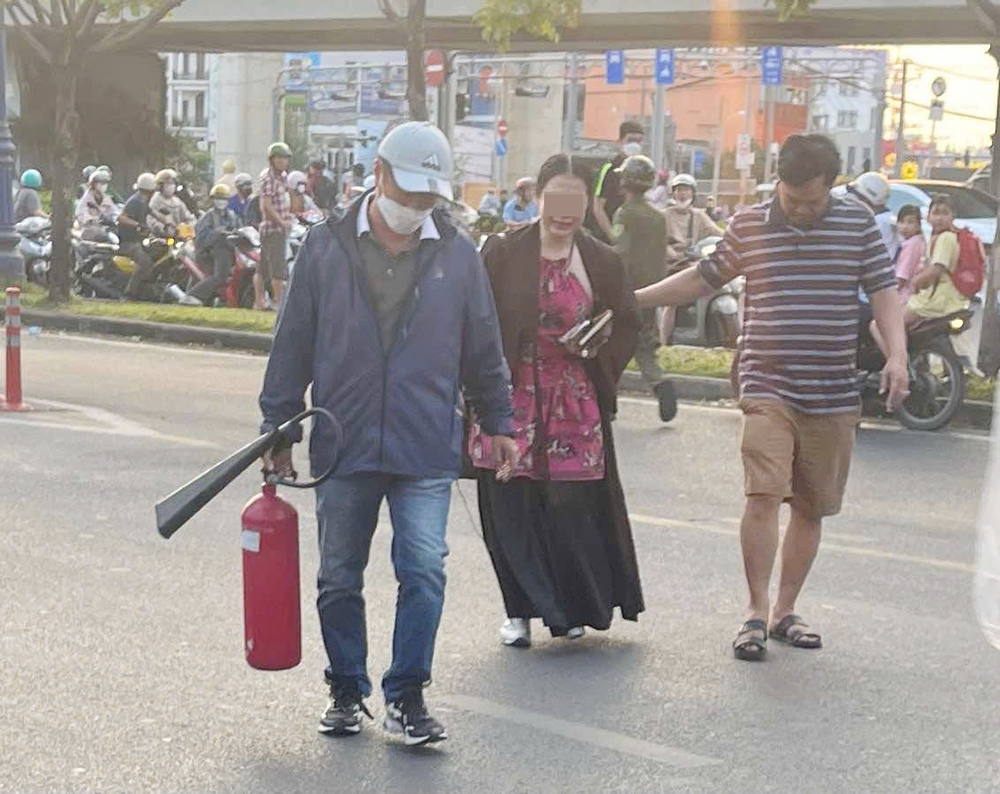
[
  {"x": 572, "y": 100},
  {"x": 747, "y": 99},
  {"x": 900, "y": 129},
  {"x": 769, "y": 135},
  {"x": 989, "y": 333},
  {"x": 720, "y": 135},
  {"x": 658, "y": 121}
]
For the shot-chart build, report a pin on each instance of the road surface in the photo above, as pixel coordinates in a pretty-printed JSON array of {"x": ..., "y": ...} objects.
[{"x": 121, "y": 653}]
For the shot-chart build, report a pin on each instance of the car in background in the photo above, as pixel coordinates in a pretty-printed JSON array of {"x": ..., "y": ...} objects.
[
  {"x": 980, "y": 179},
  {"x": 974, "y": 209}
]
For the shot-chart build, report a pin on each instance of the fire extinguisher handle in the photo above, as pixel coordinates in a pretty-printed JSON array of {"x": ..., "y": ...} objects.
[{"x": 338, "y": 433}]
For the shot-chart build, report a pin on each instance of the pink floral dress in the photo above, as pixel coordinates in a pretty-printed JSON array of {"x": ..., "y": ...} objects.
[{"x": 557, "y": 422}]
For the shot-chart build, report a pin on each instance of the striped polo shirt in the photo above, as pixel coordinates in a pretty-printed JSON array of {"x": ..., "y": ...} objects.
[{"x": 800, "y": 331}]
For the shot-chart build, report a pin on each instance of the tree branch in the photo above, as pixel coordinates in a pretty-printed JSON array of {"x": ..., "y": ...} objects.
[
  {"x": 128, "y": 31},
  {"x": 23, "y": 30},
  {"x": 68, "y": 12},
  {"x": 18, "y": 6},
  {"x": 389, "y": 11},
  {"x": 39, "y": 11},
  {"x": 88, "y": 13}
]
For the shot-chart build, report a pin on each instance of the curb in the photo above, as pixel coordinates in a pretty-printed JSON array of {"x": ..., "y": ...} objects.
[
  {"x": 972, "y": 414},
  {"x": 977, "y": 415},
  {"x": 158, "y": 332}
]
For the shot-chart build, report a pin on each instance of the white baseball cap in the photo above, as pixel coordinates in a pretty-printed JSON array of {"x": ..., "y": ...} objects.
[{"x": 420, "y": 157}]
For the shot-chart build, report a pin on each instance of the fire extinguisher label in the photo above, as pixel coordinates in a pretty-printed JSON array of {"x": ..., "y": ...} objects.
[{"x": 250, "y": 540}]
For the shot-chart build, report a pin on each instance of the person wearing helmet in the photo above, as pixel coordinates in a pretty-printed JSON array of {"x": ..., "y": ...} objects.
[
  {"x": 521, "y": 209},
  {"x": 132, "y": 224},
  {"x": 322, "y": 189},
  {"x": 213, "y": 250},
  {"x": 239, "y": 202},
  {"x": 607, "y": 192},
  {"x": 397, "y": 306},
  {"x": 872, "y": 190},
  {"x": 166, "y": 209},
  {"x": 228, "y": 177},
  {"x": 27, "y": 204},
  {"x": 276, "y": 215},
  {"x": 95, "y": 210},
  {"x": 639, "y": 234},
  {"x": 302, "y": 204},
  {"x": 687, "y": 225}
]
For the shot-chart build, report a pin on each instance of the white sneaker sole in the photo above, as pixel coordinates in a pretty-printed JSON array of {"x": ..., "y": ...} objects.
[
  {"x": 516, "y": 642},
  {"x": 351, "y": 730},
  {"x": 396, "y": 727}
]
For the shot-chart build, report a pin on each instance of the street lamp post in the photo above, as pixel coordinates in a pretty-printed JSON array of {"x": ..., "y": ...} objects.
[{"x": 11, "y": 264}]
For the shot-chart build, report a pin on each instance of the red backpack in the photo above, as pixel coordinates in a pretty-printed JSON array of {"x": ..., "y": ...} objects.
[{"x": 968, "y": 274}]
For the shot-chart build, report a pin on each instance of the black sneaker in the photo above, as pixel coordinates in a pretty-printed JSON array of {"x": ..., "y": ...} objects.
[
  {"x": 343, "y": 714},
  {"x": 409, "y": 716}
]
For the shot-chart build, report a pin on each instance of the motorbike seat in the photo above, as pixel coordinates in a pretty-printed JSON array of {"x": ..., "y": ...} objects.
[{"x": 937, "y": 324}]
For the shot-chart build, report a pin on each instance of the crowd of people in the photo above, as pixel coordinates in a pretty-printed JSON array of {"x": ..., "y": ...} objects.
[{"x": 527, "y": 339}]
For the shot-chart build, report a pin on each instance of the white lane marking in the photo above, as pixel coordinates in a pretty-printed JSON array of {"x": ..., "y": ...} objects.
[
  {"x": 834, "y": 535},
  {"x": 599, "y": 737},
  {"x": 105, "y": 423},
  {"x": 152, "y": 346},
  {"x": 933, "y": 562},
  {"x": 887, "y": 426}
]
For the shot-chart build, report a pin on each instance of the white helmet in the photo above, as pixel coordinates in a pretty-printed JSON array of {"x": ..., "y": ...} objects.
[
  {"x": 296, "y": 178},
  {"x": 146, "y": 181},
  {"x": 685, "y": 180},
  {"x": 872, "y": 188}
]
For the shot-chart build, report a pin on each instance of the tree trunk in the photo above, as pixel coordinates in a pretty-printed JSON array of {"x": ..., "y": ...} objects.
[
  {"x": 989, "y": 334},
  {"x": 65, "y": 153},
  {"x": 416, "y": 87}
]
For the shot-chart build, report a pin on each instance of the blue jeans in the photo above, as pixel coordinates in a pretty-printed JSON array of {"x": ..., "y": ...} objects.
[{"x": 347, "y": 510}]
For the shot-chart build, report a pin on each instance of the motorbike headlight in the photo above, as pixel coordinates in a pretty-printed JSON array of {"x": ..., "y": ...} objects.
[{"x": 708, "y": 250}]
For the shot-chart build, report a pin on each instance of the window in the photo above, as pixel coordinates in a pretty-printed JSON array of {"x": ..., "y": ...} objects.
[
  {"x": 821, "y": 122},
  {"x": 866, "y": 162},
  {"x": 848, "y": 88},
  {"x": 199, "y": 110},
  {"x": 184, "y": 112},
  {"x": 847, "y": 120},
  {"x": 852, "y": 156}
]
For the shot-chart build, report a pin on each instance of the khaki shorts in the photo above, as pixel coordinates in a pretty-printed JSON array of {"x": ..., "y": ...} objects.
[
  {"x": 800, "y": 458},
  {"x": 273, "y": 264}
]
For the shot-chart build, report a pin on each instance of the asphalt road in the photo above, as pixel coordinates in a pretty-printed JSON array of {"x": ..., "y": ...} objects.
[{"x": 121, "y": 665}]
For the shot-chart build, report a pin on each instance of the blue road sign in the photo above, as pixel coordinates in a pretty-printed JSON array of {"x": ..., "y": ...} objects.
[
  {"x": 772, "y": 65},
  {"x": 615, "y": 67},
  {"x": 501, "y": 147},
  {"x": 665, "y": 67}
]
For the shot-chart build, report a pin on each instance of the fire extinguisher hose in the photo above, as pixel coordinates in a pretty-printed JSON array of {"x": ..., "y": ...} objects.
[{"x": 175, "y": 510}]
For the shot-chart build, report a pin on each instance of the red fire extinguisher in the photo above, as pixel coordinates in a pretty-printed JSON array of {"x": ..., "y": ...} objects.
[
  {"x": 272, "y": 616},
  {"x": 272, "y": 619}
]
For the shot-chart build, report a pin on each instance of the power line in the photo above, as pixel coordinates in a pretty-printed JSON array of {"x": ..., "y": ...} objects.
[{"x": 951, "y": 73}]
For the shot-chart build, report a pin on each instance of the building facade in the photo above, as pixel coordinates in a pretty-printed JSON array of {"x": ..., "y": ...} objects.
[{"x": 188, "y": 93}]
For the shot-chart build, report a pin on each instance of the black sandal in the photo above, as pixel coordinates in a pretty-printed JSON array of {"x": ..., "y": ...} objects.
[
  {"x": 793, "y": 630},
  {"x": 748, "y": 647}
]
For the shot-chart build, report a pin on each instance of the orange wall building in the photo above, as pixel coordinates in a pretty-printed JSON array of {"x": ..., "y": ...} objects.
[{"x": 699, "y": 107}]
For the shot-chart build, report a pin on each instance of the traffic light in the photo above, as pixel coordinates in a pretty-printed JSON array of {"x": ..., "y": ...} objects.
[{"x": 461, "y": 106}]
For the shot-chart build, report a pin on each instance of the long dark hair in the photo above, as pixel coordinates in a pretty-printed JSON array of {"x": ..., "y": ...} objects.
[{"x": 565, "y": 165}]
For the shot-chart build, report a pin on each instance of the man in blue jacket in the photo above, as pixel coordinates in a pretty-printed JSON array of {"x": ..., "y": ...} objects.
[{"x": 390, "y": 317}]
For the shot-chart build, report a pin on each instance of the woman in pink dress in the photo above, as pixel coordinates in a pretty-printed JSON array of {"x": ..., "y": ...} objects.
[{"x": 558, "y": 531}]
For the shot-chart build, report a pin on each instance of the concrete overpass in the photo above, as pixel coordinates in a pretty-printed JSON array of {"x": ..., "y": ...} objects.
[{"x": 304, "y": 25}]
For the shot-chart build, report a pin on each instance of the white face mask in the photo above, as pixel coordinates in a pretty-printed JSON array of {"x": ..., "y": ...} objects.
[
  {"x": 221, "y": 204},
  {"x": 301, "y": 188},
  {"x": 400, "y": 218},
  {"x": 632, "y": 149},
  {"x": 684, "y": 204},
  {"x": 100, "y": 188},
  {"x": 168, "y": 190}
]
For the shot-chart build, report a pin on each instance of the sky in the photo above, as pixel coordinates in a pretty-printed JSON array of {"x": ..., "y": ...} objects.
[{"x": 970, "y": 73}]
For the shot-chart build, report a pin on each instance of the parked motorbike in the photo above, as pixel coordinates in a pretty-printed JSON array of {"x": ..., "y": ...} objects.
[
  {"x": 95, "y": 251},
  {"x": 108, "y": 277},
  {"x": 937, "y": 374},
  {"x": 35, "y": 247},
  {"x": 713, "y": 320},
  {"x": 238, "y": 290}
]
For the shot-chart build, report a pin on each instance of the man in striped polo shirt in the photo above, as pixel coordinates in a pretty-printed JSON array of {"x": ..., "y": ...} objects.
[{"x": 804, "y": 255}]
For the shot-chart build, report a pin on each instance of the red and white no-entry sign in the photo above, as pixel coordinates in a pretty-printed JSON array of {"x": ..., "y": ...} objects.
[
  {"x": 434, "y": 68},
  {"x": 502, "y": 128}
]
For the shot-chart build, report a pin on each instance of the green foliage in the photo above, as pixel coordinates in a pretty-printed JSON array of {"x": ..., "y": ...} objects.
[
  {"x": 499, "y": 20},
  {"x": 789, "y": 8}
]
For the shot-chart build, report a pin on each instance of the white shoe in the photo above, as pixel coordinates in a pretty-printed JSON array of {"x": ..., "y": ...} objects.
[
  {"x": 516, "y": 632},
  {"x": 576, "y": 633},
  {"x": 190, "y": 300}
]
